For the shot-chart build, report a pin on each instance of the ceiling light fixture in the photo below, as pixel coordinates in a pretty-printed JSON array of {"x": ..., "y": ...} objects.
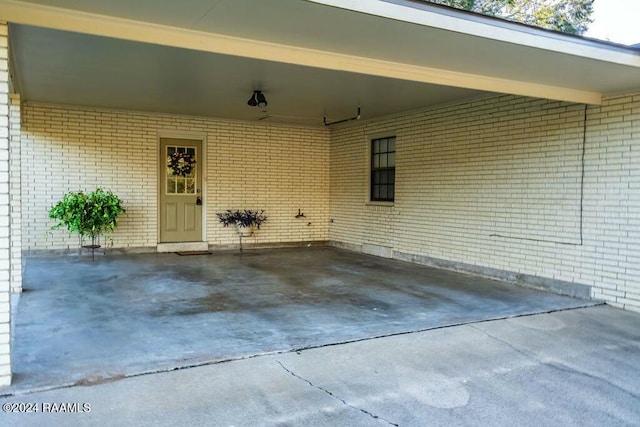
[{"x": 257, "y": 99}]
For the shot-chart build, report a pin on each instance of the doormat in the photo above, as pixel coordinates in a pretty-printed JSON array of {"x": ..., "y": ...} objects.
[{"x": 188, "y": 253}]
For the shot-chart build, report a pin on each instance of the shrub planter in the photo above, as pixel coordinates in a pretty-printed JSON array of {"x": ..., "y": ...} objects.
[
  {"x": 245, "y": 221},
  {"x": 88, "y": 214}
]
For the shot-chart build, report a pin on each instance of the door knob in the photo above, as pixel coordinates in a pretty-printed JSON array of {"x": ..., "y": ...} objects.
[{"x": 198, "y": 200}]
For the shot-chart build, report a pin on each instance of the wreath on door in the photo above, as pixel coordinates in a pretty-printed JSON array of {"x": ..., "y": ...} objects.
[{"x": 181, "y": 164}]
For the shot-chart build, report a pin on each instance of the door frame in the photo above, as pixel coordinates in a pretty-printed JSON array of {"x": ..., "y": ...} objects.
[{"x": 196, "y": 136}]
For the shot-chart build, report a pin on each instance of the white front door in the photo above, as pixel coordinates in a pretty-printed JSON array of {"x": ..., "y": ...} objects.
[{"x": 180, "y": 190}]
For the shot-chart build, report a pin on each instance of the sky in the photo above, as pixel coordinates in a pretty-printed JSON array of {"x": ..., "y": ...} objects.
[{"x": 617, "y": 21}]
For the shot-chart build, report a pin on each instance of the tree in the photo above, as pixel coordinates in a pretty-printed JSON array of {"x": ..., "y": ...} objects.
[{"x": 568, "y": 16}]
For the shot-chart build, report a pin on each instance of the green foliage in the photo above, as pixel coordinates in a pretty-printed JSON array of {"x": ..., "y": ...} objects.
[
  {"x": 568, "y": 16},
  {"x": 244, "y": 218},
  {"x": 89, "y": 214}
]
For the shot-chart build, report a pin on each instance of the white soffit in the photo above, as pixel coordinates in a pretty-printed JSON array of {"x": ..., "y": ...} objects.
[
  {"x": 376, "y": 38},
  {"x": 70, "y": 68}
]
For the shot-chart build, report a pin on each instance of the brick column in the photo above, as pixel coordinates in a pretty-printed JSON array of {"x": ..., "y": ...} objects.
[
  {"x": 15, "y": 192},
  {"x": 5, "y": 215}
]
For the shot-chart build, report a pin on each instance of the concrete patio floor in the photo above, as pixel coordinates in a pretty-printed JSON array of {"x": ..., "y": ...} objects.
[
  {"x": 83, "y": 322},
  {"x": 566, "y": 368}
]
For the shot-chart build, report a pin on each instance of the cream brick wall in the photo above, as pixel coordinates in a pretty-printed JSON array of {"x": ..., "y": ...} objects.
[
  {"x": 495, "y": 183},
  {"x": 249, "y": 165},
  {"x": 498, "y": 183},
  {"x": 611, "y": 257},
  {"x": 15, "y": 148},
  {"x": 5, "y": 207}
]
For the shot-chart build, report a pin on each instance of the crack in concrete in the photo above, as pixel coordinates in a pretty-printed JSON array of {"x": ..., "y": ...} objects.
[
  {"x": 13, "y": 391},
  {"x": 344, "y": 402},
  {"x": 508, "y": 344},
  {"x": 558, "y": 366},
  {"x": 571, "y": 370}
]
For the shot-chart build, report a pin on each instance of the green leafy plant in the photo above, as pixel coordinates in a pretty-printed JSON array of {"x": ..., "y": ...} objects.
[
  {"x": 242, "y": 218},
  {"x": 88, "y": 214},
  {"x": 568, "y": 16}
]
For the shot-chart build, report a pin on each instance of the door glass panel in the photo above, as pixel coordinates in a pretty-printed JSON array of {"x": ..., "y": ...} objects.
[
  {"x": 171, "y": 185},
  {"x": 182, "y": 170}
]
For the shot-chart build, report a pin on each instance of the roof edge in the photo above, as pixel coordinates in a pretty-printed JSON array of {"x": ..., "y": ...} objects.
[{"x": 474, "y": 24}]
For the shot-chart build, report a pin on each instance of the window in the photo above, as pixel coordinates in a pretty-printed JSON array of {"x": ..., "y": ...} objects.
[
  {"x": 383, "y": 169},
  {"x": 181, "y": 183}
]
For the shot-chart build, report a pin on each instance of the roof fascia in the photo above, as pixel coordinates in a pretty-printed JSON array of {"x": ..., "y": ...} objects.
[{"x": 473, "y": 24}]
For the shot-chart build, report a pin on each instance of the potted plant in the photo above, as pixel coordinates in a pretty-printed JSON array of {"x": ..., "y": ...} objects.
[
  {"x": 245, "y": 221},
  {"x": 88, "y": 214}
]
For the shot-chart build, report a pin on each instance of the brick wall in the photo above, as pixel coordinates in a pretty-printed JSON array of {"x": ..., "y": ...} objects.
[
  {"x": 504, "y": 183},
  {"x": 610, "y": 259},
  {"x": 15, "y": 177},
  {"x": 498, "y": 183},
  {"x": 249, "y": 165},
  {"x": 5, "y": 260}
]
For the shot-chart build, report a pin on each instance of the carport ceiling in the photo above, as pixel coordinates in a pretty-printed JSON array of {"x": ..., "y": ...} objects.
[
  {"x": 78, "y": 69},
  {"x": 311, "y": 58}
]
